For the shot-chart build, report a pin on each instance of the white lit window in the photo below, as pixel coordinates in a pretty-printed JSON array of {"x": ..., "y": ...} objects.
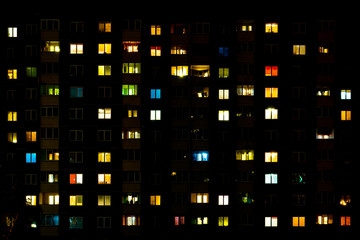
[
  {"x": 76, "y": 178},
  {"x": 271, "y": 113},
  {"x": 271, "y": 222},
  {"x": 12, "y": 32},
  {"x": 223, "y": 200},
  {"x": 30, "y": 200},
  {"x": 245, "y": 90},
  {"x": 104, "y": 113},
  {"x": 271, "y": 178},
  {"x": 324, "y": 219},
  {"x": 325, "y": 133},
  {"x": 155, "y": 115},
  {"x": 199, "y": 198},
  {"x": 76, "y": 48},
  {"x": 345, "y": 94},
  {"x": 271, "y": 157},
  {"x": 53, "y": 199},
  {"x": 104, "y": 178},
  {"x": 223, "y": 94},
  {"x": 223, "y": 115}
]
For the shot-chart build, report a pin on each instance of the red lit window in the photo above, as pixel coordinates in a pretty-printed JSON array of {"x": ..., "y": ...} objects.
[
  {"x": 76, "y": 178},
  {"x": 271, "y": 70}
]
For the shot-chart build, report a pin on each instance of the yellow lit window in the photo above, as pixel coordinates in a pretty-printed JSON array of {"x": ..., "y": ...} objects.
[
  {"x": 104, "y": 178},
  {"x": 299, "y": 49},
  {"x": 104, "y": 48},
  {"x": 132, "y": 113},
  {"x": 271, "y": 222},
  {"x": 199, "y": 198},
  {"x": 345, "y": 221},
  {"x": 52, "y": 46},
  {"x": 323, "y": 50},
  {"x": 104, "y": 70},
  {"x": 223, "y": 221},
  {"x": 271, "y": 157},
  {"x": 223, "y": 115},
  {"x": 246, "y": 28},
  {"x": 155, "y": 51},
  {"x": 104, "y": 113},
  {"x": 271, "y": 113},
  {"x": 244, "y": 155},
  {"x": 298, "y": 221},
  {"x": 12, "y": 137},
  {"x": 155, "y": 200},
  {"x": 201, "y": 220},
  {"x": 131, "y": 68},
  {"x": 324, "y": 219},
  {"x": 223, "y": 94},
  {"x": 104, "y": 26},
  {"x": 271, "y": 92},
  {"x": 155, "y": 29},
  {"x": 104, "y": 200},
  {"x": 76, "y": 200},
  {"x": 345, "y": 115},
  {"x": 131, "y": 46},
  {"x": 12, "y": 73},
  {"x": 178, "y": 50},
  {"x": 12, "y": 116},
  {"x": 76, "y": 48},
  {"x": 271, "y": 28},
  {"x": 104, "y": 157},
  {"x": 179, "y": 71},
  {"x": 53, "y": 156},
  {"x": 271, "y": 71},
  {"x": 345, "y": 200},
  {"x": 245, "y": 90},
  {"x": 30, "y": 200},
  {"x": 31, "y": 136},
  {"x": 223, "y": 72}
]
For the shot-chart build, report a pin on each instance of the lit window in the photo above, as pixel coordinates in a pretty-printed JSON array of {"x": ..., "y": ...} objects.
[
  {"x": 76, "y": 200},
  {"x": 271, "y": 157},
  {"x": 155, "y": 200},
  {"x": 76, "y": 92},
  {"x": 131, "y": 198},
  {"x": 104, "y": 70},
  {"x": 155, "y": 51},
  {"x": 104, "y": 157},
  {"x": 53, "y": 178},
  {"x": 76, "y": 178},
  {"x": 200, "y": 70},
  {"x": 246, "y": 28},
  {"x": 131, "y": 220},
  {"x": 30, "y": 157},
  {"x": 129, "y": 90},
  {"x": 104, "y": 200},
  {"x": 104, "y": 113},
  {"x": 199, "y": 198},
  {"x": 30, "y": 200},
  {"x": 155, "y": 93},
  {"x": 345, "y": 115},
  {"x": 345, "y": 221},
  {"x": 179, "y": 220},
  {"x": 155, "y": 115},
  {"x": 223, "y": 200},
  {"x": 223, "y": 115},
  {"x": 131, "y": 68},
  {"x": 179, "y": 71},
  {"x": 12, "y": 137},
  {"x": 224, "y": 72},
  {"x": 132, "y": 113},
  {"x": 271, "y": 113},
  {"x": 223, "y": 94},
  {"x": 202, "y": 92},
  {"x": 104, "y": 48},
  {"x": 131, "y": 134},
  {"x": 31, "y": 72},
  {"x": 104, "y": 26},
  {"x": 12, "y": 116},
  {"x": 31, "y": 136},
  {"x": 244, "y": 155},
  {"x": 345, "y": 94},
  {"x": 325, "y": 133},
  {"x": 299, "y": 49},
  {"x": 271, "y": 71},
  {"x": 223, "y": 51},
  {"x": 324, "y": 92},
  {"x": 200, "y": 221},
  {"x": 178, "y": 50},
  {"x": 53, "y": 199},
  {"x": 271, "y": 28},
  {"x": 76, "y": 222},
  {"x": 323, "y": 50},
  {"x": 271, "y": 178},
  {"x": 324, "y": 219},
  {"x": 131, "y": 46},
  {"x": 298, "y": 221},
  {"x": 12, "y": 73},
  {"x": 201, "y": 156},
  {"x": 271, "y": 92},
  {"x": 104, "y": 178},
  {"x": 155, "y": 29},
  {"x": 12, "y": 32},
  {"x": 271, "y": 222},
  {"x": 245, "y": 90},
  {"x": 223, "y": 221},
  {"x": 76, "y": 48},
  {"x": 345, "y": 200},
  {"x": 52, "y": 46},
  {"x": 49, "y": 90},
  {"x": 298, "y": 178}
]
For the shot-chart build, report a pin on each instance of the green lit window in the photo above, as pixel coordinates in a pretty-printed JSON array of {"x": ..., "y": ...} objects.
[
  {"x": 131, "y": 68},
  {"x": 129, "y": 90},
  {"x": 49, "y": 90}
]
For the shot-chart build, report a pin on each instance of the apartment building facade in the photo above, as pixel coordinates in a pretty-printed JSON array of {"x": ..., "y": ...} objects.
[{"x": 114, "y": 126}]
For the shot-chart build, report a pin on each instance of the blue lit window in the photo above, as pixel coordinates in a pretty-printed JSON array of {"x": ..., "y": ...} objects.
[
  {"x": 30, "y": 157},
  {"x": 50, "y": 220},
  {"x": 76, "y": 222},
  {"x": 76, "y": 92},
  {"x": 223, "y": 51},
  {"x": 201, "y": 156},
  {"x": 155, "y": 93}
]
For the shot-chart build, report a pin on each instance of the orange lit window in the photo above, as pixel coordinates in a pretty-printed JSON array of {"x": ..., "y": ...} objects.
[
  {"x": 271, "y": 92},
  {"x": 104, "y": 178},
  {"x": 31, "y": 136},
  {"x": 12, "y": 73},
  {"x": 155, "y": 200},
  {"x": 271, "y": 71},
  {"x": 155, "y": 51},
  {"x": 298, "y": 221},
  {"x": 104, "y": 26},
  {"x": 345, "y": 221},
  {"x": 179, "y": 220},
  {"x": 271, "y": 28},
  {"x": 345, "y": 115},
  {"x": 155, "y": 30}
]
